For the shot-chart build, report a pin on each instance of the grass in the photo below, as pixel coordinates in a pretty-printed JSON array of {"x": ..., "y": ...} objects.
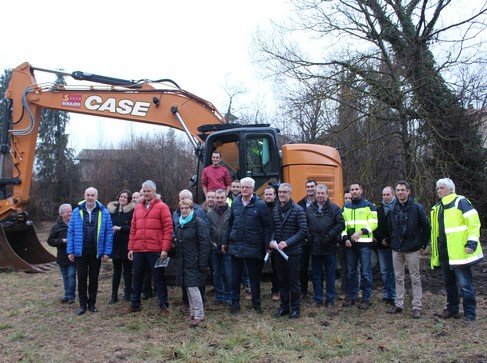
[{"x": 35, "y": 327}]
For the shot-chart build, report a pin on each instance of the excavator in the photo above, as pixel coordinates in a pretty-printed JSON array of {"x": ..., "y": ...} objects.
[{"x": 246, "y": 150}]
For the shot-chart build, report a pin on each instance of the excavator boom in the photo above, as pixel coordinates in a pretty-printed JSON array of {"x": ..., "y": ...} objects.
[{"x": 148, "y": 102}]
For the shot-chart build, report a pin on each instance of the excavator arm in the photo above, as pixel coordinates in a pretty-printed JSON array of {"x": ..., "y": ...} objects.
[{"x": 143, "y": 101}]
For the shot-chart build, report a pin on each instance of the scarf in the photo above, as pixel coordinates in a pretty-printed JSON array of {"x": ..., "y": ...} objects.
[
  {"x": 183, "y": 221},
  {"x": 388, "y": 206}
]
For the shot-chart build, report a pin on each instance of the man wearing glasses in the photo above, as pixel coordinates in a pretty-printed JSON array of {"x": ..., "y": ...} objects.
[
  {"x": 325, "y": 223},
  {"x": 289, "y": 231}
]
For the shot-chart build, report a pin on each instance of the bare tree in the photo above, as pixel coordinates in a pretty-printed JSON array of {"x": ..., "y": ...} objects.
[{"x": 399, "y": 54}]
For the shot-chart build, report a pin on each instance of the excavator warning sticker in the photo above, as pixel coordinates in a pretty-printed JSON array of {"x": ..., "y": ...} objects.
[{"x": 70, "y": 100}]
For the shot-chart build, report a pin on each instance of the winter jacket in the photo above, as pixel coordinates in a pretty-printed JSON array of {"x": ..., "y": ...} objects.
[
  {"x": 59, "y": 231},
  {"x": 121, "y": 219},
  {"x": 324, "y": 226},
  {"x": 360, "y": 215},
  {"x": 408, "y": 227},
  {"x": 290, "y": 226},
  {"x": 193, "y": 247},
  {"x": 151, "y": 229},
  {"x": 104, "y": 231},
  {"x": 219, "y": 227},
  {"x": 248, "y": 235}
]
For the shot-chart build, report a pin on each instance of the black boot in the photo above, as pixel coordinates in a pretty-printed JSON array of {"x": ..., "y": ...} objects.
[{"x": 114, "y": 298}]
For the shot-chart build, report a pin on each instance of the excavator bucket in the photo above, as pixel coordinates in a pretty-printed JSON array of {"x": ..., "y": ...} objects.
[{"x": 21, "y": 250}]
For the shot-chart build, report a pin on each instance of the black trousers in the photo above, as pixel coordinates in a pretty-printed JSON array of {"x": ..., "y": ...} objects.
[
  {"x": 139, "y": 266},
  {"x": 289, "y": 289},
  {"x": 303, "y": 272},
  {"x": 87, "y": 270},
  {"x": 254, "y": 267},
  {"x": 275, "y": 277},
  {"x": 122, "y": 267}
]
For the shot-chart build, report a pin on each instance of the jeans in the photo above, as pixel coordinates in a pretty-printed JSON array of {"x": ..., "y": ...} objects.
[
  {"x": 221, "y": 264},
  {"x": 138, "y": 267},
  {"x": 69, "y": 280},
  {"x": 303, "y": 271},
  {"x": 411, "y": 259},
  {"x": 87, "y": 268},
  {"x": 354, "y": 254},
  {"x": 317, "y": 263},
  {"x": 463, "y": 276},
  {"x": 387, "y": 273},
  {"x": 289, "y": 289},
  {"x": 254, "y": 268}
]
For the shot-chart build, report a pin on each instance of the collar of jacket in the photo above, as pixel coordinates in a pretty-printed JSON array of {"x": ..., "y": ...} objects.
[
  {"x": 113, "y": 207},
  {"x": 448, "y": 198}
]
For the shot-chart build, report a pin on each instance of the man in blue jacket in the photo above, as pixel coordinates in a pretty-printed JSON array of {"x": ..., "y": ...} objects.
[{"x": 90, "y": 238}]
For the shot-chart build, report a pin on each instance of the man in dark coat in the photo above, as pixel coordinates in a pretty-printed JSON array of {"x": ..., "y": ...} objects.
[
  {"x": 305, "y": 248},
  {"x": 409, "y": 231},
  {"x": 325, "y": 223},
  {"x": 246, "y": 241},
  {"x": 289, "y": 231},
  {"x": 57, "y": 238}
]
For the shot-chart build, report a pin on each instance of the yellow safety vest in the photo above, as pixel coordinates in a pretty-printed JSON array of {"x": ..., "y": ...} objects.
[
  {"x": 361, "y": 216},
  {"x": 462, "y": 224}
]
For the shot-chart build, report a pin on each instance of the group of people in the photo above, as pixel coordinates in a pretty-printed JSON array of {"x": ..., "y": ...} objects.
[{"x": 235, "y": 232}]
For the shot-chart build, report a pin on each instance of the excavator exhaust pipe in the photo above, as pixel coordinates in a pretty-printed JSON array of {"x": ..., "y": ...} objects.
[{"x": 21, "y": 250}]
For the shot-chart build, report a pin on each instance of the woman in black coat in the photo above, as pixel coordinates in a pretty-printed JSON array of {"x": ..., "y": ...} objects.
[
  {"x": 121, "y": 212},
  {"x": 193, "y": 247}
]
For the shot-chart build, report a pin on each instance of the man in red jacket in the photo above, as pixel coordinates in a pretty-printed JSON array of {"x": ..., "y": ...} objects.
[{"x": 150, "y": 239}]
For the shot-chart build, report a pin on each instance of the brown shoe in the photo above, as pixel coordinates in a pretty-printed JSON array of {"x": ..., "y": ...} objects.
[
  {"x": 195, "y": 323},
  {"x": 416, "y": 313},
  {"x": 446, "y": 314},
  {"x": 132, "y": 309},
  {"x": 164, "y": 311},
  {"x": 395, "y": 310},
  {"x": 276, "y": 296}
]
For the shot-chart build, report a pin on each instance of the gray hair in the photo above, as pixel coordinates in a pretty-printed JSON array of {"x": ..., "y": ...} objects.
[
  {"x": 149, "y": 184},
  {"x": 321, "y": 187},
  {"x": 65, "y": 205},
  {"x": 447, "y": 182},
  {"x": 187, "y": 194},
  {"x": 287, "y": 185},
  {"x": 248, "y": 180}
]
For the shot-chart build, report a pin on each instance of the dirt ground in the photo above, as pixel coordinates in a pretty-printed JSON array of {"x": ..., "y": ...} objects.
[{"x": 35, "y": 327}]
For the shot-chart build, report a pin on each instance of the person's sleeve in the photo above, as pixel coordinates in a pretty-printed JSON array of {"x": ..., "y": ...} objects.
[
  {"x": 54, "y": 239},
  {"x": 472, "y": 221},
  {"x": 204, "y": 178},
  {"x": 70, "y": 236},
  {"x": 108, "y": 233},
  {"x": 167, "y": 227},
  {"x": 133, "y": 228},
  {"x": 302, "y": 225},
  {"x": 204, "y": 245},
  {"x": 338, "y": 225}
]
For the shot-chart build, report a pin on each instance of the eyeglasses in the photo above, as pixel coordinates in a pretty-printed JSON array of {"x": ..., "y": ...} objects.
[{"x": 283, "y": 191}]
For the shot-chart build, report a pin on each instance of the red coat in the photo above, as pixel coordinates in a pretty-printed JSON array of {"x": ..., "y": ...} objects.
[{"x": 151, "y": 229}]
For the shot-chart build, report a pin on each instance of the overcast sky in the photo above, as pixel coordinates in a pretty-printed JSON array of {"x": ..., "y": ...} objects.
[{"x": 199, "y": 44}]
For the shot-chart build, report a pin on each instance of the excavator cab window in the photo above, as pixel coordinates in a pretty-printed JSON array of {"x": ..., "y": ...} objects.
[{"x": 261, "y": 159}]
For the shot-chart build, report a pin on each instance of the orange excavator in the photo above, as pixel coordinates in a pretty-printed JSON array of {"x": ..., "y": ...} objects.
[{"x": 246, "y": 150}]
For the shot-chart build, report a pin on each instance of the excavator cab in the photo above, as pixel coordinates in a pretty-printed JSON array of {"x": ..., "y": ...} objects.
[{"x": 247, "y": 151}]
